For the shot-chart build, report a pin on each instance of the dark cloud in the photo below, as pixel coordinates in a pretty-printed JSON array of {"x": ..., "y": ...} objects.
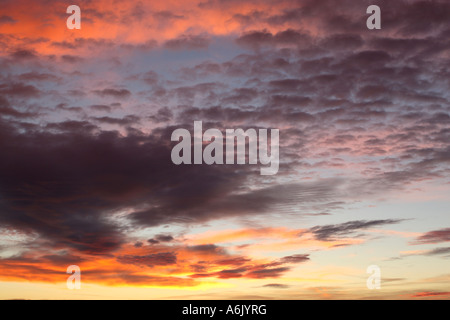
[
  {"x": 161, "y": 238},
  {"x": 125, "y": 121},
  {"x": 248, "y": 19},
  {"x": 162, "y": 115},
  {"x": 64, "y": 107},
  {"x": 342, "y": 42},
  {"x": 64, "y": 259},
  {"x": 166, "y": 16},
  {"x": 408, "y": 18},
  {"x": 7, "y": 110},
  {"x": 71, "y": 58},
  {"x": 256, "y": 39},
  {"x": 100, "y": 107},
  {"x": 4, "y": 102},
  {"x": 80, "y": 175},
  {"x": 243, "y": 267},
  {"x": 164, "y": 238},
  {"x": 68, "y": 194},
  {"x": 138, "y": 12},
  {"x": 435, "y": 236},
  {"x": 72, "y": 126},
  {"x": 115, "y": 93},
  {"x": 19, "y": 90},
  {"x": 267, "y": 273},
  {"x": 298, "y": 258},
  {"x": 230, "y": 273},
  {"x": 188, "y": 42},
  {"x": 418, "y": 17},
  {"x": 92, "y": 14},
  {"x": 438, "y": 251},
  {"x": 179, "y": 204},
  {"x": 331, "y": 232},
  {"x": 206, "y": 248},
  {"x": 238, "y": 261},
  {"x": 23, "y": 54},
  {"x": 201, "y": 70},
  {"x": 7, "y": 20},
  {"x": 276, "y": 286},
  {"x": 156, "y": 259},
  {"x": 36, "y": 76}
]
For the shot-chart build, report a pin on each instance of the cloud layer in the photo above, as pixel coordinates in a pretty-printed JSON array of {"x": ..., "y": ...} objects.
[{"x": 86, "y": 118}]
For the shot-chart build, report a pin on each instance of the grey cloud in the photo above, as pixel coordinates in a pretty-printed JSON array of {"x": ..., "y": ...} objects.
[
  {"x": 150, "y": 260},
  {"x": 115, "y": 93},
  {"x": 331, "y": 232},
  {"x": 188, "y": 42}
]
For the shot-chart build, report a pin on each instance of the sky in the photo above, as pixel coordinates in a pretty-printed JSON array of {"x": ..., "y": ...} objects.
[{"x": 86, "y": 176}]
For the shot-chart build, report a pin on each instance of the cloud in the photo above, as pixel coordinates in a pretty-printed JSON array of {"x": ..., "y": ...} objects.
[
  {"x": 7, "y": 110},
  {"x": 331, "y": 232},
  {"x": 157, "y": 259},
  {"x": 166, "y": 16},
  {"x": 267, "y": 273},
  {"x": 23, "y": 54},
  {"x": 342, "y": 42},
  {"x": 101, "y": 107},
  {"x": 4, "y": 19},
  {"x": 164, "y": 238},
  {"x": 72, "y": 126},
  {"x": 132, "y": 264},
  {"x": 63, "y": 259},
  {"x": 188, "y": 42},
  {"x": 71, "y": 58},
  {"x": 240, "y": 267},
  {"x": 361, "y": 118},
  {"x": 97, "y": 173},
  {"x": 115, "y": 93},
  {"x": 298, "y": 258},
  {"x": 19, "y": 90},
  {"x": 430, "y": 294},
  {"x": 125, "y": 121},
  {"x": 437, "y": 251},
  {"x": 435, "y": 236},
  {"x": 276, "y": 286},
  {"x": 35, "y": 76},
  {"x": 208, "y": 206},
  {"x": 206, "y": 248},
  {"x": 161, "y": 238},
  {"x": 257, "y": 39}
]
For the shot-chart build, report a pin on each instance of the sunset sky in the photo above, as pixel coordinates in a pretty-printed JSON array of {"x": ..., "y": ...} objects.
[{"x": 86, "y": 176}]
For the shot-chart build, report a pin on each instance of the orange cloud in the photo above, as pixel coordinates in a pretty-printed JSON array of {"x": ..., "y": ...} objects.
[
  {"x": 151, "y": 265},
  {"x": 427, "y": 294},
  {"x": 43, "y": 28},
  {"x": 269, "y": 239}
]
